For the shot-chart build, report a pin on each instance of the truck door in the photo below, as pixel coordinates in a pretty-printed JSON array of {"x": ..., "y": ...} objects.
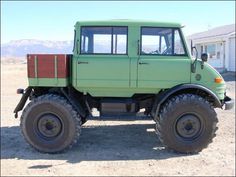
[
  {"x": 163, "y": 61},
  {"x": 103, "y": 61}
]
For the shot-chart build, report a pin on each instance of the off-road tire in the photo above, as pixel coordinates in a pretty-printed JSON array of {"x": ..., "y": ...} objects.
[
  {"x": 174, "y": 129},
  {"x": 50, "y": 124},
  {"x": 83, "y": 119}
]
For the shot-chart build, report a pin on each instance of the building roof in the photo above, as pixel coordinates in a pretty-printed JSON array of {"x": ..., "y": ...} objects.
[
  {"x": 214, "y": 32},
  {"x": 128, "y": 22}
]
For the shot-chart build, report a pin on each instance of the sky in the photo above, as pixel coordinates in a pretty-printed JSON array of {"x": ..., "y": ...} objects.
[{"x": 55, "y": 20}]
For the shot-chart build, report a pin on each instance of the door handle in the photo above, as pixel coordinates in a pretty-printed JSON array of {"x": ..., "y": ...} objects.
[
  {"x": 143, "y": 63},
  {"x": 82, "y": 62}
]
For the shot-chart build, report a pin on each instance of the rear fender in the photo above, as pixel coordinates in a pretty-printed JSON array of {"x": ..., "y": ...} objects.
[{"x": 75, "y": 103}]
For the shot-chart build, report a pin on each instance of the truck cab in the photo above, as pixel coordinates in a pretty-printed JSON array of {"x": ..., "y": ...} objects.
[
  {"x": 126, "y": 58},
  {"x": 121, "y": 67}
]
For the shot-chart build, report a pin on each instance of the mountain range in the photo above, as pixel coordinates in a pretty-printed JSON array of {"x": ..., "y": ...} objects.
[{"x": 19, "y": 48}]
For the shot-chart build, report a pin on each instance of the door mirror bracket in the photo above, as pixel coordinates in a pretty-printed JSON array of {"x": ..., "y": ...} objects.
[{"x": 204, "y": 57}]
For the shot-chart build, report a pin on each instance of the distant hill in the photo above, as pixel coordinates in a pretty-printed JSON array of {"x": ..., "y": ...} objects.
[{"x": 19, "y": 48}]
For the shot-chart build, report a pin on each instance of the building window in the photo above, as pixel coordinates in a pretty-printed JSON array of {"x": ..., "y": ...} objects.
[
  {"x": 214, "y": 50},
  {"x": 219, "y": 48},
  {"x": 103, "y": 40},
  {"x": 211, "y": 50},
  {"x": 202, "y": 49}
]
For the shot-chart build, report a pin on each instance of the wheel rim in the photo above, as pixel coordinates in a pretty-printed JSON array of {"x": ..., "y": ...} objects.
[
  {"x": 49, "y": 126},
  {"x": 188, "y": 126}
]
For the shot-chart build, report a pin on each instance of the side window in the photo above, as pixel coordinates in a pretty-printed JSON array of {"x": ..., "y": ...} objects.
[
  {"x": 179, "y": 48},
  {"x": 84, "y": 44},
  {"x": 119, "y": 40},
  {"x": 156, "y": 41},
  {"x": 103, "y": 40},
  {"x": 100, "y": 40},
  {"x": 150, "y": 42},
  {"x": 159, "y": 41},
  {"x": 163, "y": 44}
]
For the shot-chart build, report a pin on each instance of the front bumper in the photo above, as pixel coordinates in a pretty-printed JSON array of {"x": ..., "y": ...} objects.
[{"x": 228, "y": 103}]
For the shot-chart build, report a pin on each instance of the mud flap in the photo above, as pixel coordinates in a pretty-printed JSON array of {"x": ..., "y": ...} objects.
[{"x": 23, "y": 100}]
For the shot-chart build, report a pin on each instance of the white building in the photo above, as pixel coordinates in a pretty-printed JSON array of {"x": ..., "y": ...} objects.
[{"x": 219, "y": 43}]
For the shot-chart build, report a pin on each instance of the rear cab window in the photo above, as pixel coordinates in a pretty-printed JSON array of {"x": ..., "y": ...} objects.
[{"x": 104, "y": 40}]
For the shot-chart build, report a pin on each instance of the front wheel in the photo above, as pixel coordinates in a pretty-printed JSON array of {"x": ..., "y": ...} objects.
[
  {"x": 50, "y": 124},
  {"x": 186, "y": 123}
]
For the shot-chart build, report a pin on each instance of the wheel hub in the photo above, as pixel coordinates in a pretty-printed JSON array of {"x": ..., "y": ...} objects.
[
  {"x": 49, "y": 125},
  {"x": 188, "y": 126}
]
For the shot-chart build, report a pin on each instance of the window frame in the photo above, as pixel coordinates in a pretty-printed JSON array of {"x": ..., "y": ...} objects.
[
  {"x": 127, "y": 31},
  {"x": 173, "y": 39},
  {"x": 74, "y": 44}
]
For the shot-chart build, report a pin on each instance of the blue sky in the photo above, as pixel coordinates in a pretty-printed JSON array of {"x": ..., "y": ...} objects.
[{"x": 55, "y": 20}]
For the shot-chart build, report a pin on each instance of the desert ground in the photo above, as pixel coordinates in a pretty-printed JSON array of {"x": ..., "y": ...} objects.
[{"x": 110, "y": 147}]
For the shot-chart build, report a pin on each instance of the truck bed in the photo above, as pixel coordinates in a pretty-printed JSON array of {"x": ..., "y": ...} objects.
[{"x": 48, "y": 69}]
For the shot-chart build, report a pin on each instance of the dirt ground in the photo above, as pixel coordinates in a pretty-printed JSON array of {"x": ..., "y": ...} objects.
[{"x": 110, "y": 147}]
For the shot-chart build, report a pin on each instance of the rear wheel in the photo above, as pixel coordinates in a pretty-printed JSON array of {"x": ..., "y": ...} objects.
[
  {"x": 187, "y": 123},
  {"x": 50, "y": 124}
]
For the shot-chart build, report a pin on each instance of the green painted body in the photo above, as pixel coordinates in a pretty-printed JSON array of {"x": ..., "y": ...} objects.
[
  {"x": 46, "y": 82},
  {"x": 122, "y": 76}
]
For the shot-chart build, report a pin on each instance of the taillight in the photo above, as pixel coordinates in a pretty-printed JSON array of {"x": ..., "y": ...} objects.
[{"x": 20, "y": 91}]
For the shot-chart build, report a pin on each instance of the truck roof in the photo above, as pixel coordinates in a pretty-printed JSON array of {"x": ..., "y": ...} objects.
[{"x": 127, "y": 22}]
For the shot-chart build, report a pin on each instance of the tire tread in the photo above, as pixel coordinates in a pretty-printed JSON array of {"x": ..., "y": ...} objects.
[
  {"x": 62, "y": 101},
  {"x": 170, "y": 105}
]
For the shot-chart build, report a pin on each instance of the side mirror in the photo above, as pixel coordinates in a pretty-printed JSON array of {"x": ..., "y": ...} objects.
[{"x": 204, "y": 57}]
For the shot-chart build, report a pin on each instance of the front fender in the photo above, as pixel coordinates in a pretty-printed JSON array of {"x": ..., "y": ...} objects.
[{"x": 183, "y": 88}]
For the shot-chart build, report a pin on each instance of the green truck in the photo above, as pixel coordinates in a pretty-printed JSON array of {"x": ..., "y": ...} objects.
[{"x": 120, "y": 67}]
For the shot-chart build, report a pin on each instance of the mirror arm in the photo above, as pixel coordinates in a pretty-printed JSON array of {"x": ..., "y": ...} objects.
[
  {"x": 204, "y": 58},
  {"x": 202, "y": 64}
]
